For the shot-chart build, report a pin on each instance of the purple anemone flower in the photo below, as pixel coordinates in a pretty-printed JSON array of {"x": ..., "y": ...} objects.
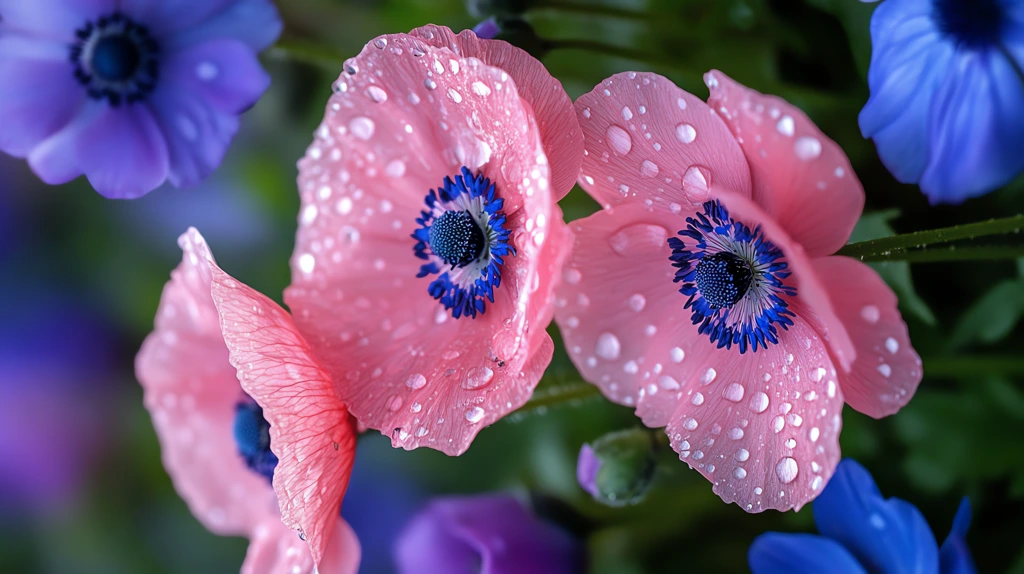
[
  {"x": 947, "y": 94},
  {"x": 489, "y": 534},
  {"x": 129, "y": 93}
]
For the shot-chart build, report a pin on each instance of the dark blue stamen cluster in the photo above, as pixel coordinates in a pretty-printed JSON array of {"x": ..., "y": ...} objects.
[
  {"x": 717, "y": 280},
  {"x": 974, "y": 23},
  {"x": 458, "y": 244},
  {"x": 252, "y": 435},
  {"x": 456, "y": 238},
  {"x": 116, "y": 59}
]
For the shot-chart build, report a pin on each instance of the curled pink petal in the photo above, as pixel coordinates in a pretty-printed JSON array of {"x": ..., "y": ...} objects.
[
  {"x": 276, "y": 548},
  {"x": 887, "y": 370},
  {"x": 801, "y": 177},
  {"x": 559, "y": 130},
  {"x": 310, "y": 430},
  {"x": 401, "y": 362},
  {"x": 191, "y": 392},
  {"x": 649, "y": 141}
]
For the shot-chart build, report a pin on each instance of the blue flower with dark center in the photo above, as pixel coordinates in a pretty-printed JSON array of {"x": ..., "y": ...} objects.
[
  {"x": 116, "y": 59},
  {"x": 252, "y": 435},
  {"x": 129, "y": 94},
  {"x": 462, "y": 236},
  {"x": 860, "y": 532},
  {"x": 734, "y": 279},
  {"x": 947, "y": 94}
]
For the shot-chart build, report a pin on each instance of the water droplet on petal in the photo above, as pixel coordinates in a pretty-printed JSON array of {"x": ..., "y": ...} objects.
[
  {"x": 870, "y": 313},
  {"x": 394, "y": 403},
  {"x": 648, "y": 169},
  {"x": 785, "y": 126},
  {"x": 677, "y": 355},
  {"x": 807, "y": 148},
  {"x": 787, "y": 470},
  {"x": 619, "y": 140},
  {"x": 698, "y": 399},
  {"x": 708, "y": 376},
  {"x": 733, "y": 392},
  {"x": 739, "y": 473},
  {"x": 690, "y": 424},
  {"x": 416, "y": 381},
  {"x": 474, "y": 414},
  {"x": 637, "y": 302},
  {"x": 686, "y": 133},
  {"x": 608, "y": 346},
  {"x": 477, "y": 377},
  {"x": 742, "y": 455},
  {"x": 361, "y": 127},
  {"x": 376, "y": 94},
  {"x": 696, "y": 183},
  {"x": 892, "y": 345}
]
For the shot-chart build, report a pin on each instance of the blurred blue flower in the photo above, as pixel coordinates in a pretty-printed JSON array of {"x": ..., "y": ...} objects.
[
  {"x": 488, "y": 534},
  {"x": 947, "y": 94},
  {"x": 587, "y": 467},
  {"x": 129, "y": 93},
  {"x": 56, "y": 366},
  {"x": 863, "y": 532}
]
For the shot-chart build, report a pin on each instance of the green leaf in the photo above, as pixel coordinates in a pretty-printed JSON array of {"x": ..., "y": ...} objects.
[
  {"x": 895, "y": 273},
  {"x": 992, "y": 317}
]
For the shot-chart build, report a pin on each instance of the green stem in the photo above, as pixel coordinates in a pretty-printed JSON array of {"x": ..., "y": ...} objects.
[
  {"x": 557, "y": 395},
  {"x": 972, "y": 365},
  {"x": 897, "y": 246},
  {"x": 952, "y": 253},
  {"x": 610, "y": 50},
  {"x": 596, "y": 10},
  {"x": 309, "y": 54}
]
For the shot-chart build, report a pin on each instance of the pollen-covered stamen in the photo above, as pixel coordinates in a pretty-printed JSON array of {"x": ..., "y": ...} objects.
[
  {"x": 463, "y": 239},
  {"x": 723, "y": 279},
  {"x": 456, "y": 238},
  {"x": 252, "y": 436},
  {"x": 734, "y": 279},
  {"x": 115, "y": 59}
]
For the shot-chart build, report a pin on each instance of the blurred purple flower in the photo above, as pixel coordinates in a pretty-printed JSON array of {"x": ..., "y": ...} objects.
[
  {"x": 56, "y": 362},
  {"x": 129, "y": 93},
  {"x": 587, "y": 467},
  {"x": 947, "y": 94},
  {"x": 487, "y": 29},
  {"x": 489, "y": 534}
]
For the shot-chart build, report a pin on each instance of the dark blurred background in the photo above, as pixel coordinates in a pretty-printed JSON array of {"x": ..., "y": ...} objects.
[{"x": 82, "y": 488}]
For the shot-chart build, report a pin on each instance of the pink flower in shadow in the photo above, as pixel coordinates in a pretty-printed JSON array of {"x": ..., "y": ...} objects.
[
  {"x": 199, "y": 409},
  {"x": 430, "y": 239},
  {"x": 706, "y": 294}
]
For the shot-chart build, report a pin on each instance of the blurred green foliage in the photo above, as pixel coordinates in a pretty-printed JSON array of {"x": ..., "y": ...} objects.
[{"x": 959, "y": 436}]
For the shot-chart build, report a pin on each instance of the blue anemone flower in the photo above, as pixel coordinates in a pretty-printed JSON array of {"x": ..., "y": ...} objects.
[
  {"x": 862, "y": 532},
  {"x": 947, "y": 94},
  {"x": 130, "y": 94}
]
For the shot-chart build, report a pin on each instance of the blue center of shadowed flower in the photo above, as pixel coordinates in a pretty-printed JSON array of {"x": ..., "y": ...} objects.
[
  {"x": 463, "y": 239},
  {"x": 456, "y": 238},
  {"x": 252, "y": 436},
  {"x": 974, "y": 23},
  {"x": 115, "y": 59},
  {"x": 734, "y": 279},
  {"x": 723, "y": 279}
]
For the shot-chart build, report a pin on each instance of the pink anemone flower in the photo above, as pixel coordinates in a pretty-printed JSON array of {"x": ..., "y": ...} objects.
[
  {"x": 430, "y": 240},
  {"x": 706, "y": 294},
  {"x": 217, "y": 446}
]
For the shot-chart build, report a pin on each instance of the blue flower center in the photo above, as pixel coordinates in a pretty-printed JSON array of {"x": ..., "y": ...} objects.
[
  {"x": 456, "y": 238},
  {"x": 252, "y": 436},
  {"x": 463, "y": 239},
  {"x": 973, "y": 23},
  {"x": 734, "y": 278},
  {"x": 723, "y": 279},
  {"x": 115, "y": 59}
]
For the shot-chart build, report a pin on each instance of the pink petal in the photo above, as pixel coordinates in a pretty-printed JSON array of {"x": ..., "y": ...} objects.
[
  {"x": 402, "y": 364},
  {"x": 310, "y": 430},
  {"x": 276, "y": 548},
  {"x": 887, "y": 370},
  {"x": 766, "y": 432},
  {"x": 559, "y": 130},
  {"x": 191, "y": 392},
  {"x": 801, "y": 177},
  {"x": 648, "y": 140}
]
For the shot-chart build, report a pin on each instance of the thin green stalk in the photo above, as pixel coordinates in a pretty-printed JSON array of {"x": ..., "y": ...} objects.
[
  {"x": 973, "y": 365},
  {"x": 952, "y": 253},
  {"x": 610, "y": 50},
  {"x": 897, "y": 246},
  {"x": 557, "y": 395},
  {"x": 309, "y": 54}
]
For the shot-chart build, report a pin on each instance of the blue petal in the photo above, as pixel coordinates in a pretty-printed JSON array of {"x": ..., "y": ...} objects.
[
  {"x": 909, "y": 62},
  {"x": 885, "y": 535},
  {"x": 254, "y": 22},
  {"x": 955, "y": 556},
  {"x": 975, "y": 124},
  {"x": 775, "y": 552}
]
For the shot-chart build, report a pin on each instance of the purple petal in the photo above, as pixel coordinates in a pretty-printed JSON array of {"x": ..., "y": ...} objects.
[
  {"x": 50, "y": 19},
  {"x": 225, "y": 73},
  {"x": 587, "y": 467},
  {"x": 975, "y": 127},
  {"x": 123, "y": 152},
  {"x": 55, "y": 160},
  {"x": 165, "y": 18},
  {"x": 197, "y": 135},
  {"x": 253, "y": 22},
  {"x": 484, "y": 534},
  {"x": 37, "y": 99}
]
